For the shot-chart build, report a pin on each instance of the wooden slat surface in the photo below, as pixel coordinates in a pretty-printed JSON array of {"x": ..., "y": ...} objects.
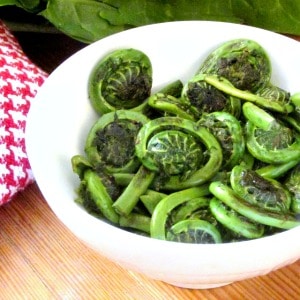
[{"x": 41, "y": 259}]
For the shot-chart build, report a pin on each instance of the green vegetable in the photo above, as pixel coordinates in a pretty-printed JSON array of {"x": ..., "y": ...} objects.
[
  {"x": 151, "y": 198},
  {"x": 228, "y": 131},
  {"x": 33, "y": 6},
  {"x": 243, "y": 62},
  {"x": 177, "y": 171},
  {"x": 270, "y": 103},
  {"x": 276, "y": 170},
  {"x": 136, "y": 221},
  {"x": 172, "y": 145},
  {"x": 121, "y": 80},
  {"x": 167, "y": 204},
  {"x": 203, "y": 97},
  {"x": 257, "y": 214},
  {"x": 80, "y": 164},
  {"x": 131, "y": 194},
  {"x": 91, "y": 20},
  {"x": 81, "y": 19},
  {"x": 194, "y": 231},
  {"x": 110, "y": 143},
  {"x": 259, "y": 191},
  {"x": 292, "y": 184},
  {"x": 189, "y": 209},
  {"x": 172, "y": 105},
  {"x": 173, "y": 89},
  {"x": 267, "y": 139},
  {"x": 274, "y": 93},
  {"x": 239, "y": 224},
  {"x": 94, "y": 191},
  {"x": 169, "y": 102}
]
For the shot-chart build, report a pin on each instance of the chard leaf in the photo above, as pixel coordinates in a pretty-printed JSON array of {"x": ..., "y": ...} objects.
[
  {"x": 80, "y": 19},
  {"x": 279, "y": 16},
  {"x": 8, "y": 2},
  {"x": 137, "y": 13},
  {"x": 29, "y": 5},
  {"x": 91, "y": 20}
]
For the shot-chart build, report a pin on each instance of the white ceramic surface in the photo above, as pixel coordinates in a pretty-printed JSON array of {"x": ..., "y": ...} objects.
[{"x": 61, "y": 116}]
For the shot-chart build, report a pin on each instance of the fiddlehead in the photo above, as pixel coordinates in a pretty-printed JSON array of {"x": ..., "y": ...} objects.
[
  {"x": 173, "y": 146},
  {"x": 194, "y": 231},
  {"x": 272, "y": 101},
  {"x": 292, "y": 183},
  {"x": 110, "y": 144},
  {"x": 267, "y": 139},
  {"x": 228, "y": 131},
  {"x": 237, "y": 223},
  {"x": 121, "y": 80},
  {"x": 242, "y": 61},
  {"x": 205, "y": 98},
  {"x": 268, "y": 194},
  {"x": 167, "y": 204},
  {"x": 254, "y": 213}
]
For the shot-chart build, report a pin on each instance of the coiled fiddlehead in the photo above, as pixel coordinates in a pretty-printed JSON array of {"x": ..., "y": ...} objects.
[
  {"x": 205, "y": 98},
  {"x": 274, "y": 93},
  {"x": 268, "y": 194},
  {"x": 152, "y": 176},
  {"x": 190, "y": 209},
  {"x": 239, "y": 224},
  {"x": 167, "y": 204},
  {"x": 268, "y": 139},
  {"x": 110, "y": 144},
  {"x": 173, "y": 146},
  {"x": 272, "y": 100},
  {"x": 121, "y": 80},
  {"x": 254, "y": 213},
  {"x": 243, "y": 62},
  {"x": 228, "y": 131},
  {"x": 194, "y": 231}
]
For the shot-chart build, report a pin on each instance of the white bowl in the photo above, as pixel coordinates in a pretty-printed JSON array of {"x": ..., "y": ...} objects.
[{"x": 61, "y": 116}]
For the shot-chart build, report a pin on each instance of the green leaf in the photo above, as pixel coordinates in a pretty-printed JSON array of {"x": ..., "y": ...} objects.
[
  {"x": 139, "y": 12},
  {"x": 8, "y": 2},
  {"x": 33, "y": 6},
  {"x": 280, "y": 15},
  {"x": 80, "y": 19},
  {"x": 29, "y": 4},
  {"x": 91, "y": 20}
]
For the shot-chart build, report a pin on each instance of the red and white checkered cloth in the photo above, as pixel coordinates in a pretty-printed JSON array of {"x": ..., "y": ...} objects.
[{"x": 19, "y": 82}]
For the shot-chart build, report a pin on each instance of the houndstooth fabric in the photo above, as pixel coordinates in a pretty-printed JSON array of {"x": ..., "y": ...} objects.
[{"x": 19, "y": 82}]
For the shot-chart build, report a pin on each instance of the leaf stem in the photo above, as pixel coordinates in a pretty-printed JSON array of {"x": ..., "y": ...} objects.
[
  {"x": 100, "y": 195},
  {"x": 164, "y": 207},
  {"x": 230, "y": 198},
  {"x": 225, "y": 86},
  {"x": 131, "y": 194}
]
